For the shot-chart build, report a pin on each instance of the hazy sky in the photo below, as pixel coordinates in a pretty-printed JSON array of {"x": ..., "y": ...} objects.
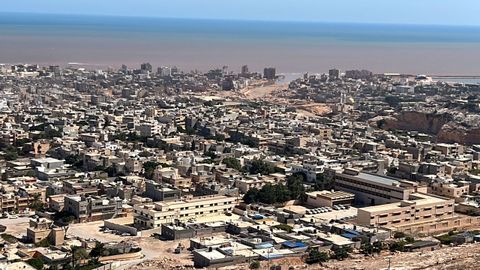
[{"x": 445, "y": 12}]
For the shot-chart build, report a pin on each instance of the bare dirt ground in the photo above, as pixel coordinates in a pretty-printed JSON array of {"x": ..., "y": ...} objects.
[
  {"x": 156, "y": 252},
  {"x": 159, "y": 255},
  {"x": 449, "y": 258},
  {"x": 463, "y": 257},
  {"x": 263, "y": 91},
  {"x": 315, "y": 108},
  {"x": 16, "y": 227}
]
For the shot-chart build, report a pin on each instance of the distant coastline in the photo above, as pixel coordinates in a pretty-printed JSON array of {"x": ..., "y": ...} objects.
[{"x": 204, "y": 44}]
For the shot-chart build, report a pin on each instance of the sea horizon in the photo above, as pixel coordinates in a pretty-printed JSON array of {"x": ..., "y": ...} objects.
[{"x": 203, "y": 44}]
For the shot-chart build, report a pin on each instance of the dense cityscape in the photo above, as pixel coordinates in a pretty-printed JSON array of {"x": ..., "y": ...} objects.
[{"x": 158, "y": 168}]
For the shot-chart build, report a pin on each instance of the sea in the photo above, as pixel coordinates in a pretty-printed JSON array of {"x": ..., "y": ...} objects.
[{"x": 197, "y": 44}]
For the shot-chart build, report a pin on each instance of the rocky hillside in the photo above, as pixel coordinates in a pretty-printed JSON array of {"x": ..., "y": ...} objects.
[{"x": 448, "y": 127}]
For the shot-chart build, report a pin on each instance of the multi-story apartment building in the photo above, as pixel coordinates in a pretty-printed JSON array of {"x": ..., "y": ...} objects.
[
  {"x": 372, "y": 189},
  {"x": 159, "y": 192},
  {"x": 153, "y": 215},
  {"x": 418, "y": 208},
  {"x": 450, "y": 190},
  {"x": 249, "y": 182},
  {"x": 73, "y": 187},
  {"x": 92, "y": 208},
  {"x": 12, "y": 202},
  {"x": 329, "y": 198}
]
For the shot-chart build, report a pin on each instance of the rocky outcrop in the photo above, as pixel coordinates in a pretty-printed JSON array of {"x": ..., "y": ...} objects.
[
  {"x": 430, "y": 123},
  {"x": 454, "y": 132},
  {"x": 445, "y": 126}
]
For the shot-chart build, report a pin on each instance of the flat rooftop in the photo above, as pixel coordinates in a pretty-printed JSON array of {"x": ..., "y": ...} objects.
[
  {"x": 211, "y": 255},
  {"x": 46, "y": 160},
  {"x": 374, "y": 178},
  {"x": 331, "y": 194},
  {"x": 378, "y": 179},
  {"x": 415, "y": 199}
]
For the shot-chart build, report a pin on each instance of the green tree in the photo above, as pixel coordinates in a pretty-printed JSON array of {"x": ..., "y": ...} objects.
[
  {"x": 9, "y": 238},
  {"x": 149, "y": 168},
  {"x": 267, "y": 194},
  {"x": 78, "y": 254},
  {"x": 315, "y": 256},
  {"x": 341, "y": 253},
  {"x": 36, "y": 263},
  {"x": 233, "y": 163},
  {"x": 251, "y": 196},
  {"x": 75, "y": 160},
  {"x": 98, "y": 250},
  {"x": 44, "y": 243},
  {"x": 145, "y": 154},
  {"x": 445, "y": 239},
  {"x": 295, "y": 186},
  {"x": 254, "y": 265},
  {"x": 368, "y": 249},
  {"x": 258, "y": 166},
  {"x": 282, "y": 193},
  {"x": 323, "y": 182},
  {"x": 36, "y": 203},
  {"x": 11, "y": 155},
  {"x": 409, "y": 239},
  {"x": 397, "y": 246}
]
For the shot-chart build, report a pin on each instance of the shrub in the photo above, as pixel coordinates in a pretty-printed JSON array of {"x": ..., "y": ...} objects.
[
  {"x": 315, "y": 256},
  {"x": 255, "y": 265},
  {"x": 36, "y": 263}
]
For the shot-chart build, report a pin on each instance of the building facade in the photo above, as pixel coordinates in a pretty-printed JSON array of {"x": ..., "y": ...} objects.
[{"x": 153, "y": 215}]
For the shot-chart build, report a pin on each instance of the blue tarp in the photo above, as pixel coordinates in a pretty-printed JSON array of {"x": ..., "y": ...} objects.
[
  {"x": 290, "y": 244},
  {"x": 264, "y": 245},
  {"x": 349, "y": 235},
  {"x": 353, "y": 232},
  {"x": 258, "y": 217}
]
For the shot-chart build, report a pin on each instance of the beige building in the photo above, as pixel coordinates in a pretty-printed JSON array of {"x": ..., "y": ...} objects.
[
  {"x": 418, "y": 208},
  {"x": 249, "y": 182},
  {"x": 11, "y": 202},
  {"x": 450, "y": 190},
  {"x": 372, "y": 189},
  {"x": 40, "y": 148},
  {"x": 153, "y": 215},
  {"x": 41, "y": 229},
  {"x": 329, "y": 198}
]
